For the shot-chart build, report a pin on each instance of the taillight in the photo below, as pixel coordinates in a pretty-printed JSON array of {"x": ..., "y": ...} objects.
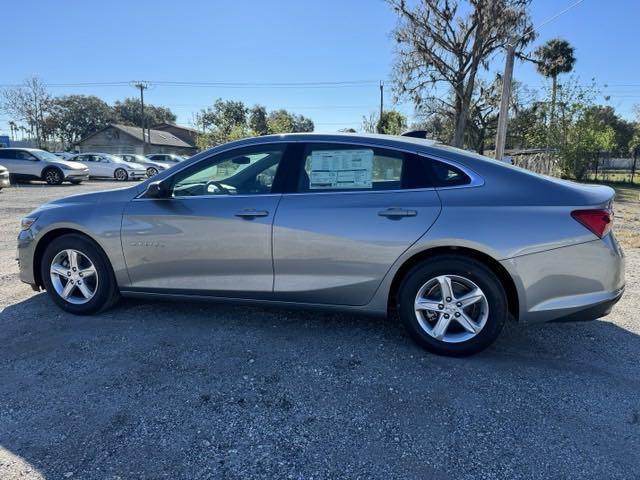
[{"x": 599, "y": 221}]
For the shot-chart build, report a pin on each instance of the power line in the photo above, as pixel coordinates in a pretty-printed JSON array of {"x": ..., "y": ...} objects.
[
  {"x": 551, "y": 19},
  {"x": 172, "y": 83}
]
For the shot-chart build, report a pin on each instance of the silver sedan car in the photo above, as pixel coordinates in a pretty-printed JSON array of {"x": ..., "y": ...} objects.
[{"x": 456, "y": 243}]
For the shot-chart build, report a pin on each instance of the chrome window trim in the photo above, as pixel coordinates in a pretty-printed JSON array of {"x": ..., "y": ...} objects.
[{"x": 476, "y": 179}]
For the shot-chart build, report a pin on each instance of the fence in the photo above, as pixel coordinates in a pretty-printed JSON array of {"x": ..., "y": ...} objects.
[{"x": 539, "y": 160}]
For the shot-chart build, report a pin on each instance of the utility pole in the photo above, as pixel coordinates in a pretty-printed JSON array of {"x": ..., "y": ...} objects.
[
  {"x": 381, "y": 97},
  {"x": 501, "y": 135},
  {"x": 142, "y": 85}
]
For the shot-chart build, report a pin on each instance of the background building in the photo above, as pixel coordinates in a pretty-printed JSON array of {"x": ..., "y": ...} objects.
[{"x": 117, "y": 138}]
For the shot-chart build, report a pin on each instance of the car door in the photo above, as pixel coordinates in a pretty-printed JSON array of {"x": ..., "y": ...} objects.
[
  {"x": 22, "y": 163},
  {"x": 104, "y": 166},
  {"x": 350, "y": 212},
  {"x": 213, "y": 231},
  {"x": 87, "y": 161}
]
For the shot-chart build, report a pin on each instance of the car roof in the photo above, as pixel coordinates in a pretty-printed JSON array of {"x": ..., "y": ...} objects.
[{"x": 365, "y": 138}]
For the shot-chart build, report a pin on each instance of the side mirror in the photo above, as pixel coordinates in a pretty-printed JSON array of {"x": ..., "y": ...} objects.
[{"x": 157, "y": 190}]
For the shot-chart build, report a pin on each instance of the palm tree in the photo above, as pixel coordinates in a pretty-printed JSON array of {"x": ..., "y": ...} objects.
[
  {"x": 553, "y": 58},
  {"x": 13, "y": 128}
]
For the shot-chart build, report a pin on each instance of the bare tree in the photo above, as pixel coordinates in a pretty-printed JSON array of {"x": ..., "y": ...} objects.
[
  {"x": 28, "y": 104},
  {"x": 441, "y": 44}
]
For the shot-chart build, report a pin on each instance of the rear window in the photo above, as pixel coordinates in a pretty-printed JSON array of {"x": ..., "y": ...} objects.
[{"x": 445, "y": 175}]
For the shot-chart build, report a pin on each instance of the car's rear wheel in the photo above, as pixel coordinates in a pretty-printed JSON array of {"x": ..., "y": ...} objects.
[
  {"x": 53, "y": 176},
  {"x": 120, "y": 174},
  {"x": 78, "y": 276},
  {"x": 452, "y": 305},
  {"x": 152, "y": 171}
]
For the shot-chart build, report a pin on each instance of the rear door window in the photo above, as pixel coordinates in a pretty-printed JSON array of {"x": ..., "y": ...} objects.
[{"x": 343, "y": 168}]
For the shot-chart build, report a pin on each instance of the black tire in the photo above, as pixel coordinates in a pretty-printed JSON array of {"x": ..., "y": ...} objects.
[
  {"x": 121, "y": 175},
  {"x": 152, "y": 172},
  {"x": 106, "y": 292},
  {"x": 53, "y": 176},
  {"x": 461, "y": 266}
]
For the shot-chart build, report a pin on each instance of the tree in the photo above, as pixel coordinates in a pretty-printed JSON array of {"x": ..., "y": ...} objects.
[
  {"x": 302, "y": 124},
  {"x": 73, "y": 117},
  {"x": 230, "y": 120},
  {"x": 442, "y": 44},
  {"x": 605, "y": 116},
  {"x": 28, "y": 103},
  {"x": 553, "y": 58},
  {"x": 226, "y": 120},
  {"x": 369, "y": 123},
  {"x": 585, "y": 141},
  {"x": 392, "y": 123},
  {"x": 128, "y": 112},
  {"x": 258, "y": 120},
  {"x": 282, "y": 121}
]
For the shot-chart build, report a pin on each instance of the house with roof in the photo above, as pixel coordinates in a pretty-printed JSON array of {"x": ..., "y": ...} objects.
[
  {"x": 117, "y": 138},
  {"x": 186, "y": 134}
]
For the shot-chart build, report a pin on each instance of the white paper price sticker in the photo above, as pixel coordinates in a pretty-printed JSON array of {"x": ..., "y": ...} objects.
[{"x": 341, "y": 169}]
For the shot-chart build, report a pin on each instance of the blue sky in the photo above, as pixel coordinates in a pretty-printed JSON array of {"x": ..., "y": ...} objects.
[{"x": 277, "y": 41}]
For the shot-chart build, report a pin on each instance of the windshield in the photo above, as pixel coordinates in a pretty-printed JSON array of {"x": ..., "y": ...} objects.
[
  {"x": 47, "y": 156},
  {"x": 134, "y": 158}
]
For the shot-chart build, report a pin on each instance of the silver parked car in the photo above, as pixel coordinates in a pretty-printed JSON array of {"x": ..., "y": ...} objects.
[
  {"x": 35, "y": 164},
  {"x": 153, "y": 168},
  {"x": 105, "y": 165},
  {"x": 456, "y": 242}
]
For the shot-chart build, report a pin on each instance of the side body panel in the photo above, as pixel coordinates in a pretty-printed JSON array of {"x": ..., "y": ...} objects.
[
  {"x": 200, "y": 244},
  {"x": 560, "y": 282},
  {"x": 336, "y": 248},
  {"x": 98, "y": 215}
]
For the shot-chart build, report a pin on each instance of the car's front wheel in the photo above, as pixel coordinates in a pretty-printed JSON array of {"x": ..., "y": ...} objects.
[
  {"x": 77, "y": 275},
  {"x": 453, "y": 305},
  {"x": 152, "y": 172},
  {"x": 53, "y": 176},
  {"x": 120, "y": 174}
]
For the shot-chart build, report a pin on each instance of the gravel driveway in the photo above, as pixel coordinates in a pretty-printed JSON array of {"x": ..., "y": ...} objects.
[{"x": 161, "y": 390}]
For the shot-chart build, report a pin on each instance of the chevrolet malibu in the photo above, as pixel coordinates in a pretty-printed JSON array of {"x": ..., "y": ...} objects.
[{"x": 456, "y": 243}]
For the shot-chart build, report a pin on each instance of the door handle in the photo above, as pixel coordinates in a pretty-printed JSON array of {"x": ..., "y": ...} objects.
[
  {"x": 251, "y": 213},
  {"x": 397, "y": 213}
]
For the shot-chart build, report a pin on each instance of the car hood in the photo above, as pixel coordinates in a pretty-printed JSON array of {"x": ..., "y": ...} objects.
[
  {"x": 68, "y": 164},
  {"x": 132, "y": 165},
  {"x": 123, "y": 194}
]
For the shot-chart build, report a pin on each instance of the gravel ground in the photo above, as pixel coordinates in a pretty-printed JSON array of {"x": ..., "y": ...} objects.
[{"x": 162, "y": 390}]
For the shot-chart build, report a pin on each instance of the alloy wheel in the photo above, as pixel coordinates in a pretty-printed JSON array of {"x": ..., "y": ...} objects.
[
  {"x": 451, "y": 308},
  {"x": 121, "y": 174},
  {"x": 73, "y": 276},
  {"x": 52, "y": 177}
]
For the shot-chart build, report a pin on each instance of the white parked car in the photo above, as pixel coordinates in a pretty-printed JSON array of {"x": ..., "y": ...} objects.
[
  {"x": 34, "y": 164},
  {"x": 105, "y": 165},
  {"x": 171, "y": 158},
  {"x": 64, "y": 155},
  {"x": 153, "y": 168},
  {"x": 4, "y": 177}
]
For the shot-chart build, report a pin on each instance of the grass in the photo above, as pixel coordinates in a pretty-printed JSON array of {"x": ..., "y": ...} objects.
[
  {"x": 615, "y": 177},
  {"x": 627, "y": 213}
]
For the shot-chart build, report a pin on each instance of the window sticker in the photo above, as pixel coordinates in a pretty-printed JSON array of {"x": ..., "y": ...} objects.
[{"x": 341, "y": 169}]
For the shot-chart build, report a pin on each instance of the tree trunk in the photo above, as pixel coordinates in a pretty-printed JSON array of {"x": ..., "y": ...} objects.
[{"x": 554, "y": 91}]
